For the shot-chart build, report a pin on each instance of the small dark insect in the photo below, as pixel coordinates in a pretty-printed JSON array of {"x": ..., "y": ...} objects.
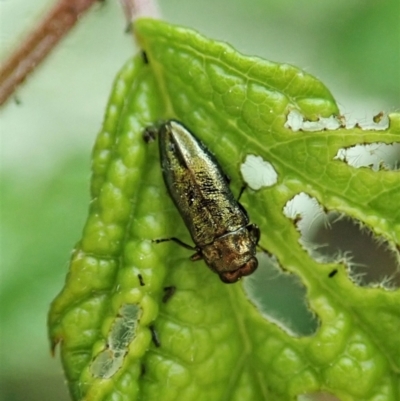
[
  {"x": 140, "y": 280},
  {"x": 218, "y": 223},
  {"x": 149, "y": 134},
  {"x": 378, "y": 118},
  {"x": 144, "y": 57},
  {"x": 154, "y": 336},
  {"x": 142, "y": 370},
  {"x": 332, "y": 273},
  {"x": 168, "y": 292}
]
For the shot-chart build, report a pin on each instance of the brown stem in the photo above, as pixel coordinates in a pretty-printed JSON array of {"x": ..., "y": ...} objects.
[
  {"x": 134, "y": 9},
  {"x": 56, "y": 24}
]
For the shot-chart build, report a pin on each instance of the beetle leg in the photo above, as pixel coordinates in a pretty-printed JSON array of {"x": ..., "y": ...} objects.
[
  {"x": 196, "y": 256},
  {"x": 177, "y": 240},
  {"x": 244, "y": 186}
]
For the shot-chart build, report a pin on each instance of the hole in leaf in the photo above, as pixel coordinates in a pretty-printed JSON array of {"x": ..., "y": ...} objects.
[
  {"x": 377, "y": 156},
  {"x": 317, "y": 397},
  {"x": 334, "y": 237},
  {"x": 377, "y": 122},
  {"x": 124, "y": 327},
  {"x": 122, "y": 332},
  {"x": 106, "y": 364},
  {"x": 296, "y": 122},
  {"x": 281, "y": 297},
  {"x": 258, "y": 173}
]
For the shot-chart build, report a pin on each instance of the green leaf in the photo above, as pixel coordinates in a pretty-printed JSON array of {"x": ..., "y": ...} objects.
[{"x": 212, "y": 343}]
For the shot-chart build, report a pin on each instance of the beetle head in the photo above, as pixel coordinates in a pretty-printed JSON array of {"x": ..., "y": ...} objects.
[
  {"x": 245, "y": 270},
  {"x": 233, "y": 255}
]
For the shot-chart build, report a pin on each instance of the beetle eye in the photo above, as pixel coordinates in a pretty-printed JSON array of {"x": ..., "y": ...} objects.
[
  {"x": 249, "y": 267},
  {"x": 255, "y": 232}
]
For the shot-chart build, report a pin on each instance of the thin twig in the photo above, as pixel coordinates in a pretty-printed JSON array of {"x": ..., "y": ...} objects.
[
  {"x": 54, "y": 26},
  {"x": 51, "y": 29},
  {"x": 135, "y": 9}
]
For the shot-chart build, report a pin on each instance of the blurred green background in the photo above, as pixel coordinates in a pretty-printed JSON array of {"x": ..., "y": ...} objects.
[{"x": 48, "y": 128}]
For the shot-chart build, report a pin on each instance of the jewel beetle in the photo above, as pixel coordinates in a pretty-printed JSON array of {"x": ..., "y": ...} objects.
[{"x": 219, "y": 225}]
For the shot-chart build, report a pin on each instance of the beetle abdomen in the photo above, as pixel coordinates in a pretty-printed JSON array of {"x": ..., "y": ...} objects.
[{"x": 197, "y": 185}]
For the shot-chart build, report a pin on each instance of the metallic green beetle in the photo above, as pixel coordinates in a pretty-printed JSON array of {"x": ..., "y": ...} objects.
[{"x": 218, "y": 223}]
